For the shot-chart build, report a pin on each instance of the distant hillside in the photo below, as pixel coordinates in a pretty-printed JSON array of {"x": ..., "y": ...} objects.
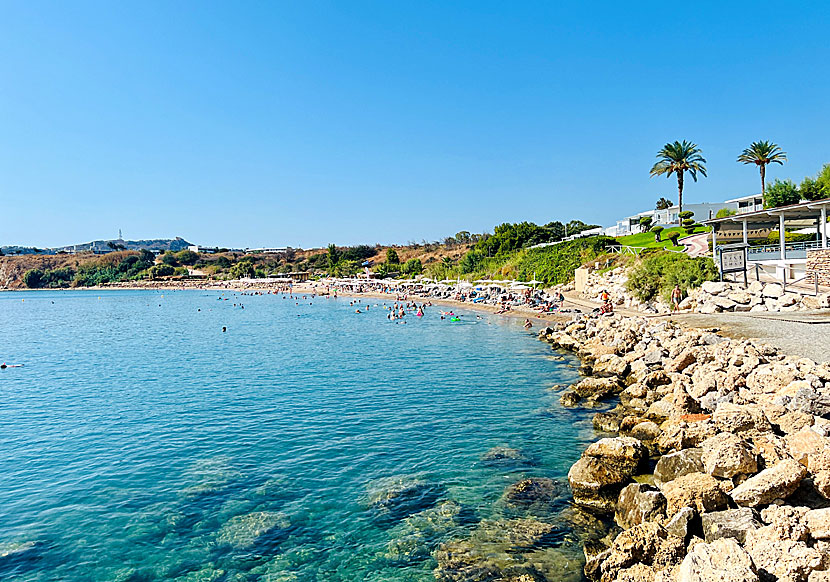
[{"x": 156, "y": 244}]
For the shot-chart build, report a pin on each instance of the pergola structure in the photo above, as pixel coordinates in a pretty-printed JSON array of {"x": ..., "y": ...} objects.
[{"x": 783, "y": 257}]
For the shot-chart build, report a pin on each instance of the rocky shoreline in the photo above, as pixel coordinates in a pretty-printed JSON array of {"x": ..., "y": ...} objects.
[{"x": 721, "y": 466}]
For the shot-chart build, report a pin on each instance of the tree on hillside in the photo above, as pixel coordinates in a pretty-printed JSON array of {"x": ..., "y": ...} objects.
[
  {"x": 392, "y": 257},
  {"x": 762, "y": 153},
  {"x": 781, "y": 193},
  {"x": 333, "y": 256},
  {"x": 645, "y": 223},
  {"x": 678, "y": 158},
  {"x": 664, "y": 204}
]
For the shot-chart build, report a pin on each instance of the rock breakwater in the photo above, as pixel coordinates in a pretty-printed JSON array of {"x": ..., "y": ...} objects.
[{"x": 721, "y": 464}]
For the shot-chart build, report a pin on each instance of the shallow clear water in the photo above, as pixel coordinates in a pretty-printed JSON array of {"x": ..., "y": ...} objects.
[{"x": 139, "y": 442}]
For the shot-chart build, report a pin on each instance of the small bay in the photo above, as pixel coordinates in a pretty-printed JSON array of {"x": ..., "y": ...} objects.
[{"x": 140, "y": 442}]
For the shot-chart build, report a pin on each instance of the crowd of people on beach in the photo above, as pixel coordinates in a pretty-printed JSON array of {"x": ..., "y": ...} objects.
[{"x": 502, "y": 297}]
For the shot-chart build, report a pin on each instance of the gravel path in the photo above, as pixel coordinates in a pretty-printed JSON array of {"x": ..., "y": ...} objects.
[{"x": 805, "y": 334}]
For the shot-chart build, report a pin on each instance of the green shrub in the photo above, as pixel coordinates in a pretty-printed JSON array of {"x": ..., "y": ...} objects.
[
  {"x": 657, "y": 274},
  {"x": 169, "y": 258},
  {"x": 242, "y": 269},
  {"x": 657, "y": 230},
  {"x": 781, "y": 193},
  {"x": 413, "y": 267},
  {"x": 33, "y": 278},
  {"x": 724, "y": 212},
  {"x": 162, "y": 270},
  {"x": 790, "y": 237},
  {"x": 187, "y": 257}
]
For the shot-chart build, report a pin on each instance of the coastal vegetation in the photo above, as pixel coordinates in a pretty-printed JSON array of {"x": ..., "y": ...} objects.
[
  {"x": 678, "y": 158},
  {"x": 656, "y": 274}
]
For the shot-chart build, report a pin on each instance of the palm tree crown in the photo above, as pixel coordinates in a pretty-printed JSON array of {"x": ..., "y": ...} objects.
[
  {"x": 678, "y": 158},
  {"x": 762, "y": 153}
]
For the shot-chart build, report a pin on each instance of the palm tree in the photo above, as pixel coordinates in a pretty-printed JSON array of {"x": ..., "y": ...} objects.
[
  {"x": 678, "y": 158},
  {"x": 762, "y": 153}
]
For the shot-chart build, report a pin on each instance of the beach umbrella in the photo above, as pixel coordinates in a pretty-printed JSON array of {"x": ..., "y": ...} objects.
[{"x": 519, "y": 286}]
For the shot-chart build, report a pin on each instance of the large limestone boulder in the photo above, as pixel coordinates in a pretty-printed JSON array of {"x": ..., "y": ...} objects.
[
  {"x": 737, "y": 418},
  {"x": 597, "y": 388},
  {"x": 773, "y": 291},
  {"x": 806, "y": 442},
  {"x": 714, "y": 287},
  {"x": 776, "y": 482},
  {"x": 648, "y": 544},
  {"x": 720, "y": 561},
  {"x": 732, "y": 523},
  {"x": 682, "y": 361},
  {"x": 674, "y": 465},
  {"x": 727, "y": 455},
  {"x": 624, "y": 453},
  {"x": 811, "y": 401},
  {"x": 784, "y": 560},
  {"x": 605, "y": 467},
  {"x": 700, "y": 491},
  {"x": 639, "y": 503},
  {"x": 818, "y": 523},
  {"x": 610, "y": 365},
  {"x": 681, "y": 434}
]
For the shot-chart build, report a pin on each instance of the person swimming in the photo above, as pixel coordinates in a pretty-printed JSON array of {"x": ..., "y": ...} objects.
[
  {"x": 4, "y": 365},
  {"x": 528, "y": 325}
]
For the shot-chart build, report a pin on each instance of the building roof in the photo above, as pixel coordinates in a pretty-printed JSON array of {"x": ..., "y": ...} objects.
[
  {"x": 802, "y": 210},
  {"x": 745, "y": 198}
]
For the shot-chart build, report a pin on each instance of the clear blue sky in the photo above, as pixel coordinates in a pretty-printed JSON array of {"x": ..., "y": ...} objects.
[{"x": 303, "y": 123}]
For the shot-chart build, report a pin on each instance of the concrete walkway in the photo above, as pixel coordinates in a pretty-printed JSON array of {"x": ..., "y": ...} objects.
[
  {"x": 697, "y": 245},
  {"x": 803, "y": 333}
]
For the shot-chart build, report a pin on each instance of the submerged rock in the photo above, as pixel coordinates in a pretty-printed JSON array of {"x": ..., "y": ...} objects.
[
  {"x": 210, "y": 476},
  {"x": 416, "y": 536},
  {"x": 502, "y": 454},
  {"x": 515, "y": 550},
  {"x": 532, "y": 491},
  {"x": 402, "y": 495},
  {"x": 245, "y": 531}
]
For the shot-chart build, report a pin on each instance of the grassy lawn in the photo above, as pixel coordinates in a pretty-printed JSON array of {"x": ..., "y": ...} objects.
[{"x": 646, "y": 239}]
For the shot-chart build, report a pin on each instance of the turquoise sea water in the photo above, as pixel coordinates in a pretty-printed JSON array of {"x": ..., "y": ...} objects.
[{"x": 142, "y": 443}]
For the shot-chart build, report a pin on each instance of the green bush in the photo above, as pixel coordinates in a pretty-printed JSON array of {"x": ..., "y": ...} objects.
[
  {"x": 724, "y": 212},
  {"x": 657, "y": 274}
]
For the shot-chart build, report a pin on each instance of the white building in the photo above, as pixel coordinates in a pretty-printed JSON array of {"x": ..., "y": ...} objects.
[{"x": 751, "y": 203}]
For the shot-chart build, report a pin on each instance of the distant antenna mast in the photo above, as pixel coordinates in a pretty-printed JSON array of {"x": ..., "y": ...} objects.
[{"x": 119, "y": 235}]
